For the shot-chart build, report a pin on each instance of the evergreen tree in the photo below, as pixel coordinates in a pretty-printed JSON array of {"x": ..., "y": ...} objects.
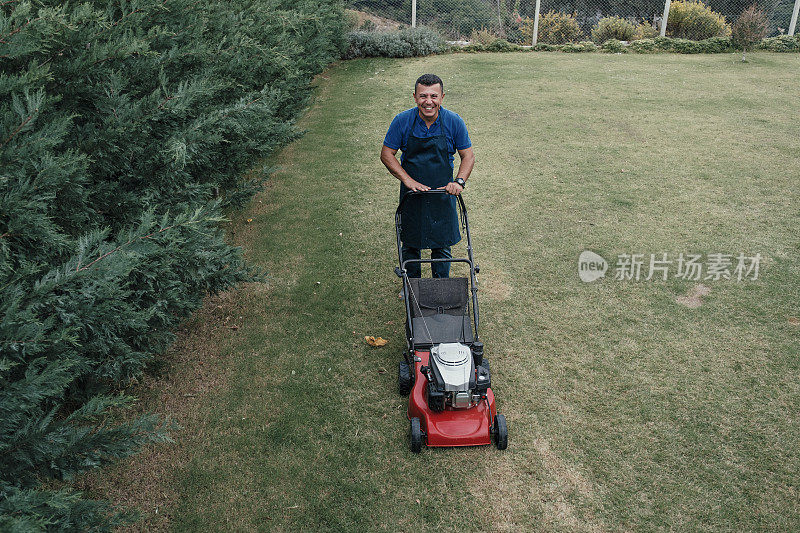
[{"x": 125, "y": 130}]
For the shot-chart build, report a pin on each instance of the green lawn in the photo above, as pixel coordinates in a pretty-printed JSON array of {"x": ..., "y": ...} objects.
[{"x": 627, "y": 410}]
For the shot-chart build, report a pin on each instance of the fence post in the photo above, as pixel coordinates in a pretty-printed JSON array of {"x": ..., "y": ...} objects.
[
  {"x": 793, "y": 23},
  {"x": 536, "y": 22},
  {"x": 664, "y": 18},
  {"x": 413, "y": 13}
]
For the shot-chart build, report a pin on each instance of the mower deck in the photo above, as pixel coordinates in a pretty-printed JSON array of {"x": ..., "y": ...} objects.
[{"x": 451, "y": 427}]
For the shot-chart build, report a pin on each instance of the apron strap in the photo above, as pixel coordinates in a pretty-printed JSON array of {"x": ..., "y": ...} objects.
[{"x": 442, "y": 127}]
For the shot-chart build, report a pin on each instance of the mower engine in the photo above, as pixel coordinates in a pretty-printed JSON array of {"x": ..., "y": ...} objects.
[{"x": 453, "y": 378}]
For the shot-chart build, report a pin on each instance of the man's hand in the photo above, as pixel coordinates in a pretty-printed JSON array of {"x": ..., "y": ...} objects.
[
  {"x": 414, "y": 185},
  {"x": 453, "y": 188},
  {"x": 389, "y": 159}
]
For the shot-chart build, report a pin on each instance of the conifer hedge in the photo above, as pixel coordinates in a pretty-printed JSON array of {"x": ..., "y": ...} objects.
[{"x": 125, "y": 129}]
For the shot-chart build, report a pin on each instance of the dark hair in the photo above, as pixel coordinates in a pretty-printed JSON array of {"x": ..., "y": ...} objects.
[{"x": 428, "y": 80}]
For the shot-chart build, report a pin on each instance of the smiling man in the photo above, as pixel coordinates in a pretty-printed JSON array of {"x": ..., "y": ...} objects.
[{"x": 428, "y": 136}]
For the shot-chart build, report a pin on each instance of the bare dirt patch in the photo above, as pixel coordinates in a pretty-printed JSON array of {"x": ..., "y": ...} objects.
[{"x": 693, "y": 299}]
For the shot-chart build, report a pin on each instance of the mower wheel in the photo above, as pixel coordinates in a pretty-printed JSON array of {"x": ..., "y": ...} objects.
[
  {"x": 416, "y": 436},
  {"x": 404, "y": 381},
  {"x": 500, "y": 432},
  {"x": 485, "y": 364}
]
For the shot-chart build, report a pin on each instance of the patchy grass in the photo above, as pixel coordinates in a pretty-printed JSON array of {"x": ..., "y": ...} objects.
[{"x": 627, "y": 409}]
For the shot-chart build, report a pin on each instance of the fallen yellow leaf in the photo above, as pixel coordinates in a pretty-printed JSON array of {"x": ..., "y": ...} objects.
[{"x": 375, "y": 341}]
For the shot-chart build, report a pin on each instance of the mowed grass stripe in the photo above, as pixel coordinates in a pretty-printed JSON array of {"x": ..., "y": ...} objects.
[{"x": 626, "y": 409}]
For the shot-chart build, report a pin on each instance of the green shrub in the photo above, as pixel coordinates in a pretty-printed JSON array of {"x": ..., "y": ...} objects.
[
  {"x": 663, "y": 44},
  {"x": 546, "y": 47},
  {"x": 643, "y": 46},
  {"x": 695, "y": 21},
  {"x": 368, "y": 25},
  {"x": 614, "y": 28},
  {"x": 377, "y": 44},
  {"x": 424, "y": 41},
  {"x": 685, "y": 46},
  {"x": 613, "y": 46},
  {"x": 554, "y": 28},
  {"x": 781, "y": 43},
  {"x": 501, "y": 45},
  {"x": 645, "y": 30},
  {"x": 121, "y": 122},
  {"x": 402, "y": 43},
  {"x": 583, "y": 46},
  {"x": 716, "y": 45},
  {"x": 471, "y": 48}
]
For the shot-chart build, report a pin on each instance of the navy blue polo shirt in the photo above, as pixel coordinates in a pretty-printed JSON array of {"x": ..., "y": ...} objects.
[{"x": 400, "y": 129}]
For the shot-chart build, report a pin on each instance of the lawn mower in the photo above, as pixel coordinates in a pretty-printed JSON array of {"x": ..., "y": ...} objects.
[{"x": 443, "y": 369}]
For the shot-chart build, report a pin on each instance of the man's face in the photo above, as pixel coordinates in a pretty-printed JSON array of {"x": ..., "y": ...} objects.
[{"x": 429, "y": 99}]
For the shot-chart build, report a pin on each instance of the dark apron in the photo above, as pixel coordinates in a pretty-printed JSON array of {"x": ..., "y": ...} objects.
[{"x": 430, "y": 220}]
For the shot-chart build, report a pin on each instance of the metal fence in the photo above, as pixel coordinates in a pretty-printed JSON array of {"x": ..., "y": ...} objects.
[{"x": 464, "y": 19}]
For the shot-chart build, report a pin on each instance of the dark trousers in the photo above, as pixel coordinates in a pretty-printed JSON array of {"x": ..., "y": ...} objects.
[{"x": 439, "y": 270}]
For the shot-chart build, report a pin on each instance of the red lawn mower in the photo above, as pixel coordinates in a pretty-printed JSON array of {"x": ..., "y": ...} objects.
[{"x": 444, "y": 370}]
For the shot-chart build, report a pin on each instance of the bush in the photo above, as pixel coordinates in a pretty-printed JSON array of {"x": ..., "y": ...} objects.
[
  {"x": 402, "y": 43},
  {"x": 501, "y": 45},
  {"x": 643, "y": 46},
  {"x": 120, "y": 122},
  {"x": 498, "y": 45},
  {"x": 554, "y": 28},
  {"x": 781, "y": 43},
  {"x": 695, "y": 21},
  {"x": 614, "y": 28},
  {"x": 716, "y": 45},
  {"x": 645, "y": 30},
  {"x": 471, "y": 48},
  {"x": 749, "y": 29},
  {"x": 583, "y": 46},
  {"x": 367, "y": 25},
  {"x": 613, "y": 46}
]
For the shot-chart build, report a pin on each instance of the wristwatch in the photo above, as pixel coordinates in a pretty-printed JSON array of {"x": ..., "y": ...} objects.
[{"x": 461, "y": 182}]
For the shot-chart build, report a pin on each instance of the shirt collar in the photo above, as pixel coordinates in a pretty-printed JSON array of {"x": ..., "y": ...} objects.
[{"x": 435, "y": 122}]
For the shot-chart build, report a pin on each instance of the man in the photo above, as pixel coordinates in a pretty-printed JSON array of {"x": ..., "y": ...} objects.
[{"x": 428, "y": 135}]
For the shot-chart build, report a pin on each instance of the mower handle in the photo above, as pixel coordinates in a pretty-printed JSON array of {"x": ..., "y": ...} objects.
[{"x": 429, "y": 191}]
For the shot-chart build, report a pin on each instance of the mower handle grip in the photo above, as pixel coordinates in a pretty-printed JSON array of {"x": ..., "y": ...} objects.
[{"x": 429, "y": 191}]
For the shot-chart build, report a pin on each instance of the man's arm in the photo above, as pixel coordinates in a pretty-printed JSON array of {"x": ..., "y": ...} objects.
[
  {"x": 389, "y": 159},
  {"x": 464, "y": 170}
]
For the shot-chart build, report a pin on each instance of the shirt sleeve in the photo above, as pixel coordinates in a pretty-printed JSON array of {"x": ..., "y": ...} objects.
[
  {"x": 460, "y": 135},
  {"x": 394, "y": 136}
]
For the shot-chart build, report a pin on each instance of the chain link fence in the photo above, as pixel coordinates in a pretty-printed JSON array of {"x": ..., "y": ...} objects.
[{"x": 466, "y": 20}]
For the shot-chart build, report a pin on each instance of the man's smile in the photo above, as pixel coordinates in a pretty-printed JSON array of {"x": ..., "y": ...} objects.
[{"x": 429, "y": 100}]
